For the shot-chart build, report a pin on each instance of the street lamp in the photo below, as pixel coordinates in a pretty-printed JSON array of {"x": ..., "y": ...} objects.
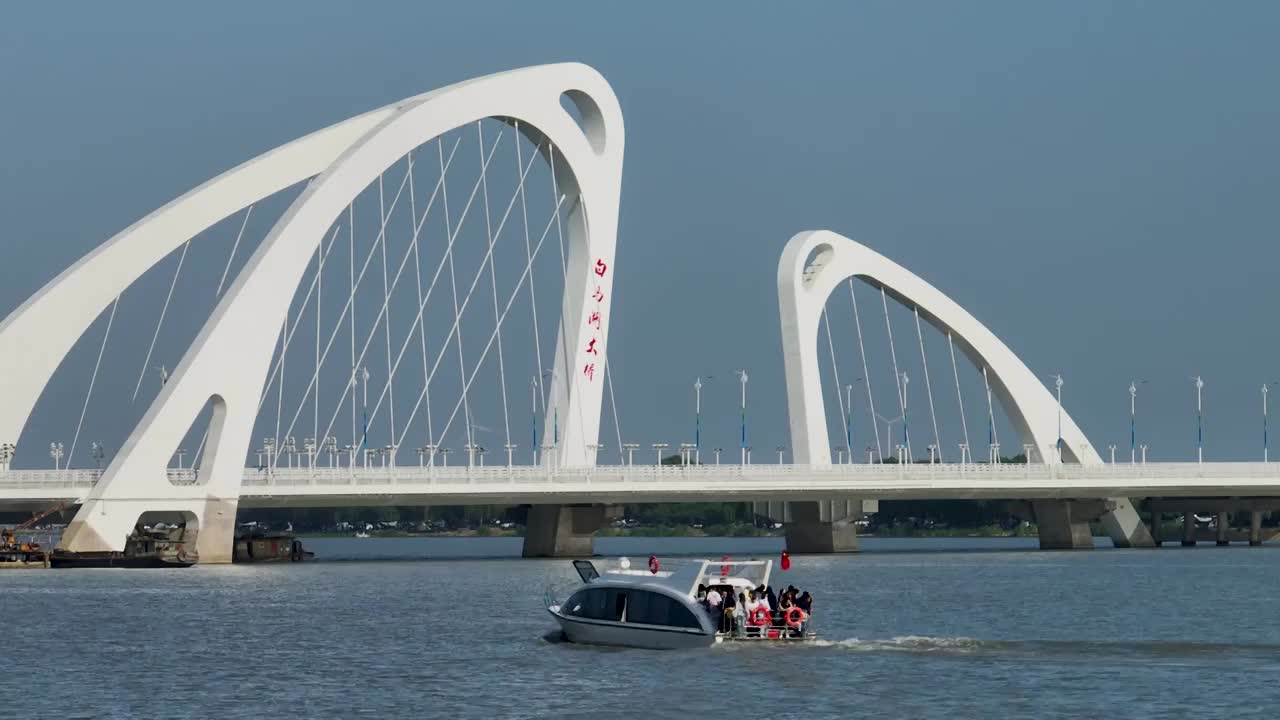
[
  {"x": 631, "y": 450},
  {"x": 56, "y": 452},
  {"x": 1112, "y": 446},
  {"x": 1133, "y": 419},
  {"x": 309, "y": 445},
  {"x": 331, "y": 447},
  {"x": 7, "y": 451},
  {"x": 97, "y": 452},
  {"x": 781, "y": 449},
  {"x": 840, "y": 454},
  {"x": 686, "y": 452},
  {"x": 1143, "y": 448},
  {"x": 1199, "y": 420},
  {"x": 717, "y": 451},
  {"x": 742, "y": 377},
  {"x": 181, "y": 453},
  {"x": 697, "y": 418},
  {"x": 657, "y": 450},
  {"x": 848, "y": 420},
  {"x": 964, "y": 453},
  {"x": 1057, "y": 383},
  {"x": 511, "y": 453},
  {"x": 933, "y": 451},
  {"x": 444, "y": 456},
  {"x": 1264, "y": 421}
]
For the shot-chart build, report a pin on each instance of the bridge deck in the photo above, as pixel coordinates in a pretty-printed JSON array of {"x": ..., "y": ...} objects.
[{"x": 323, "y": 487}]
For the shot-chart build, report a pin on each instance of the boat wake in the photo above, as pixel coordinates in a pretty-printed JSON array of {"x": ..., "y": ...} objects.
[{"x": 913, "y": 644}]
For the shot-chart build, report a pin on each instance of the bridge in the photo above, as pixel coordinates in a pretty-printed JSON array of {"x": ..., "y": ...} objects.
[{"x": 364, "y": 236}]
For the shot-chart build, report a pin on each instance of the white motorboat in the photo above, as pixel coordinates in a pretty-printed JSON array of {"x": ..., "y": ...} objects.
[{"x": 659, "y": 609}]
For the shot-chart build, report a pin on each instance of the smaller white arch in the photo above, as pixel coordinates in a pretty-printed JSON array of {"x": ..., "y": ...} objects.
[{"x": 815, "y": 263}]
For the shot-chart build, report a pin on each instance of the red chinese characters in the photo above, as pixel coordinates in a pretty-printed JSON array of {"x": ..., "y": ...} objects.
[{"x": 595, "y": 321}]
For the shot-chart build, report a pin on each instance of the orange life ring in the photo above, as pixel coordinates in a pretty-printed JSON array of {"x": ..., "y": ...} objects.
[
  {"x": 795, "y": 616},
  {"x": 760, "y": 616}
]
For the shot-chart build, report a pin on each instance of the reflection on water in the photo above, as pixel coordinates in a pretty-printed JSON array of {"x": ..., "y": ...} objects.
[{"x": 971, "y": 627}]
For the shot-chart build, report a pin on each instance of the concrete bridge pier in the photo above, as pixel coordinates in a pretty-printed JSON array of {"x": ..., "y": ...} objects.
[
  {"x": 819, "y": 526},
  {"x": 562, "y": 530},
  {"x": 1063, "y": 524}
]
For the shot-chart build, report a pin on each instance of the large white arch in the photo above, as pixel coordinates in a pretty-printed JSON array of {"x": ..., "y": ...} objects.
[
  {"x": 228, "y": 361},
  {"x": 815, "y": 263}
]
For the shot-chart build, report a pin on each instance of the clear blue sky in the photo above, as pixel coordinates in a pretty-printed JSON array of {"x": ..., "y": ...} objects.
[{"x": 1096, "y": 181}]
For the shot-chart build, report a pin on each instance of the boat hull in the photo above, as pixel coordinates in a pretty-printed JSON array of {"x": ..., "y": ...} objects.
[
  {"x": 585, "y": 631},
  {"x": 115, "y": 559}
]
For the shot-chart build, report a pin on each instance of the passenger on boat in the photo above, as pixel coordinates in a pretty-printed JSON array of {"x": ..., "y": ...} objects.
[
  {"x": 805, "y": 603},
  {"x": 714, "y": 602}
]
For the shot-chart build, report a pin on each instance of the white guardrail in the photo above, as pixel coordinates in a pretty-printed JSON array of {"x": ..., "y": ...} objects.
[{"x": 326, "y": 480}]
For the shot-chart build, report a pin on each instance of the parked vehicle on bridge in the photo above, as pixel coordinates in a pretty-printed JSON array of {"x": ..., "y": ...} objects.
[{"x": 659, "y": 609}]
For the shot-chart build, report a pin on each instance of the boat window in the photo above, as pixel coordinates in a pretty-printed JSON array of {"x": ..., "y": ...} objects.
[
  {"x": 652, "y": 608},
  {"x": 586, "y": 570},
  {"x": 597, "y": 604}
]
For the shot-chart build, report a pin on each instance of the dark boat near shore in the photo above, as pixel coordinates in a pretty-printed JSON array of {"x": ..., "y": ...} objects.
[
  {"x": 260, "y": 546},
  {"x": 145, "y": 548}
]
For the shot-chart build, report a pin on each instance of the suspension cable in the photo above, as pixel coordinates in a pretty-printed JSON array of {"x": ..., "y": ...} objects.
[
  {"x": 92, "y": 380},
  {"x": 417, "y": 271},
  {"x": 835, "y": 371},
  {"x": 386, "y": 315},
  {"x": 243, "y": 224},
  {"x": 613, "y": 402},
  {"x": 928, "y": 386},
  {"x": 533, "y": 297},
  {"x": 493, "y": 335},
  {"x": 493, "y": 278},
  {"x": 866, "y": 374},
  {"x": 440, "y": 356},
  {"x": 488, "y": 258},
  {"x": 160, "y": 323},
  {"x": 964, "y": 424},
  {"x": 448, "y": 253},
  {"x": 992, "y": 436}
]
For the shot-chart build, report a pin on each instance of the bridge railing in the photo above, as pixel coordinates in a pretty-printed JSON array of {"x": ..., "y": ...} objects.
[{"x": 937, "y": 473}]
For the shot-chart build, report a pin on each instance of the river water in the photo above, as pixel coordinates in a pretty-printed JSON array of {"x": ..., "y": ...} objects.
[{"x": 443, "y": 627}]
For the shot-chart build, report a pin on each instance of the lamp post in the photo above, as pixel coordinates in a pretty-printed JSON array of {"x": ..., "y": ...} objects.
[
  {"x": 181, "y": 453},
  {"x": 56, "y": 452},
  {"x": 1112, "y": 446},
  {"x": 309, "y": 445},
  {"x": 1143, "y": 448},
  {"x": 631, "y": 450},
  {"x": 1265, "y": 390},
  {"x": 781, "y": 449},
  {"x": 1133, "y": 419},
  {"x": 686, "y": 452},
  {"x": 933, "y": 451},
  {"x": 1199, "y": 420},
  {"x": 97, "y": 452},
  {"x": 7, "y": 451},
  {"x": 364, "y": 410},
  {"x": 331, "y": 448},
  {"x": 742, "y": 377},
  {"x": 533, "y": 393},
  {"x": 511, "y": 453},
  {"x": 848, "y": 420},
  {"x": 422, "y": 457},
  {"x": 840, "y": 454},
  {"x": 657, "y": 451},
  {"x": 1026, "y": 453},
  {"x": 964, "y": 453},
  {"x": 906, "y": 437},
  {"x": 431, "y": 449},
  {"x": 717, "y": 451},
  {"x": 1057, "y": 383},
  {"x": 444, "y": 456},
  {"x": 697, "y": 418}
]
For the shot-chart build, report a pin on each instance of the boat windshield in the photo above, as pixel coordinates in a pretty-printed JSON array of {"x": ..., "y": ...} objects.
[{"x": 586, "y": 570}]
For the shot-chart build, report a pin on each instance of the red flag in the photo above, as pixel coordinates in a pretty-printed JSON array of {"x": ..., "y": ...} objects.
[
  {"x": 786, "y": 560},
  {"x": 724, "y": 569},
  {"x": 653, "y": 564}
]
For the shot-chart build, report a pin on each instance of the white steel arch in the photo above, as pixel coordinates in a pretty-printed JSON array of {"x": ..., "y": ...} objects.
[
  {"x": 814, "y": 263},
  {"x": 228, "y": 361}
]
